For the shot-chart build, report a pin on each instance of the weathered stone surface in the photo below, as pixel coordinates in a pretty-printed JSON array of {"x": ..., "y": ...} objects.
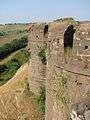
[
  {"x": 87, "y": 115},
  {"x": 37, "y": 69},
  {"x": 67, "y": 71}
]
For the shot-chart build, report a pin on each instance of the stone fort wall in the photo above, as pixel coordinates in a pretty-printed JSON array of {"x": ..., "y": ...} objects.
[{"x": 67, "y": 73}]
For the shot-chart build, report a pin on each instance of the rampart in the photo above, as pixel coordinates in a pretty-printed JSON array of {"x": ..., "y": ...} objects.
[{"x": 65, "y": 71}]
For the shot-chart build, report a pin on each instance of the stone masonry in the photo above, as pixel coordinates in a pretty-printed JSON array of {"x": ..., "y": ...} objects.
[
  {"x": 67, "y": 73},
  {"x": 37, "y": 71}
]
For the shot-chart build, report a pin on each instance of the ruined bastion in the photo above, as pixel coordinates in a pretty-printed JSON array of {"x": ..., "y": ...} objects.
[{"x": 65, "y": 72}]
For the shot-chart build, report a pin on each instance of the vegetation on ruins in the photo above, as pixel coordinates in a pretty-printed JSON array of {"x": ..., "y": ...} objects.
[
  {"x": 41, "y": 99},
  {"x": 42, "y": 56},
  {"x": 62, "y": 84},
  {"x": 60, "y": 95}
]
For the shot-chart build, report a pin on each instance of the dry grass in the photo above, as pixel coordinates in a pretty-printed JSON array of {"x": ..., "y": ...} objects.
[
  {"x": 16, "y": 101},
  {"x": 13, "y": 32}
]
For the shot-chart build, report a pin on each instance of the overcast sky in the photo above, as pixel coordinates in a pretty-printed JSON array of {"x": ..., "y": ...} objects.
[{"x": 12, "y": 11}]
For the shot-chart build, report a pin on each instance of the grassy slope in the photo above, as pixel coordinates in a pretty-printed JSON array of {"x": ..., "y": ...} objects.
[
  {"x": 21, "y": 56},
  {"x": 13, "y": 31},
  {"x": 16, "y": 101}
]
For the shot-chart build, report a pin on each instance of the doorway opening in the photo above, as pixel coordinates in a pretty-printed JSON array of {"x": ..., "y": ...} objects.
[{"x": 68, "y": 37}]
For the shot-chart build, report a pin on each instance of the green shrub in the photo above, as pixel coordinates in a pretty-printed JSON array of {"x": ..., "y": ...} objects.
[
  {"x": 13, "y": 64},
  {"x": 3, "y": 33},
  {"x": 22, "y": 31},
  {"x": 10, "y": 67},
  {"x": 2, "y": 68},
  {"x": 41, "y": 99},
  {"x": 5, "y": 50},
  {"x": 22, "y": 56},
  {"x": 16, "y": 44},
  {"x": 42, "y": 56}
]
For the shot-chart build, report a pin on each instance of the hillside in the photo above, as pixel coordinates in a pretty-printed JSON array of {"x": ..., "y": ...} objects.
[
  {"x": 10, "y": 65},
  {"x": 9, "y": 32},
  {"x": 15, "y": 95},
  {"x": 13, "y": 49},
  {"x": 16, "y": 101}
]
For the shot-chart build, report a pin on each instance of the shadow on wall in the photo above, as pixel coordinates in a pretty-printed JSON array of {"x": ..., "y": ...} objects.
[
  {"x": 46, "y": 29},
  {"x": 68, "y": 36}
]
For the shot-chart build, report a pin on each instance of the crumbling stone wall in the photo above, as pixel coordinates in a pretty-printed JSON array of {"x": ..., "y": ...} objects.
[
  {"x": 37, "y": 70},
  {"x": 67, "y": 71}
]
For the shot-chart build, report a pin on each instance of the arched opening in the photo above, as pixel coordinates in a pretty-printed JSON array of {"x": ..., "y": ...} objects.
[
  {"x": 68, "y": 37},
  {"x": 46, "y": 29}
]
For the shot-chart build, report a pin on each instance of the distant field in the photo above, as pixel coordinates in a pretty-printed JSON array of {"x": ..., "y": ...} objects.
[
  {"x": 16, "y": 54},
  {"x": 12, "y": 31}
]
